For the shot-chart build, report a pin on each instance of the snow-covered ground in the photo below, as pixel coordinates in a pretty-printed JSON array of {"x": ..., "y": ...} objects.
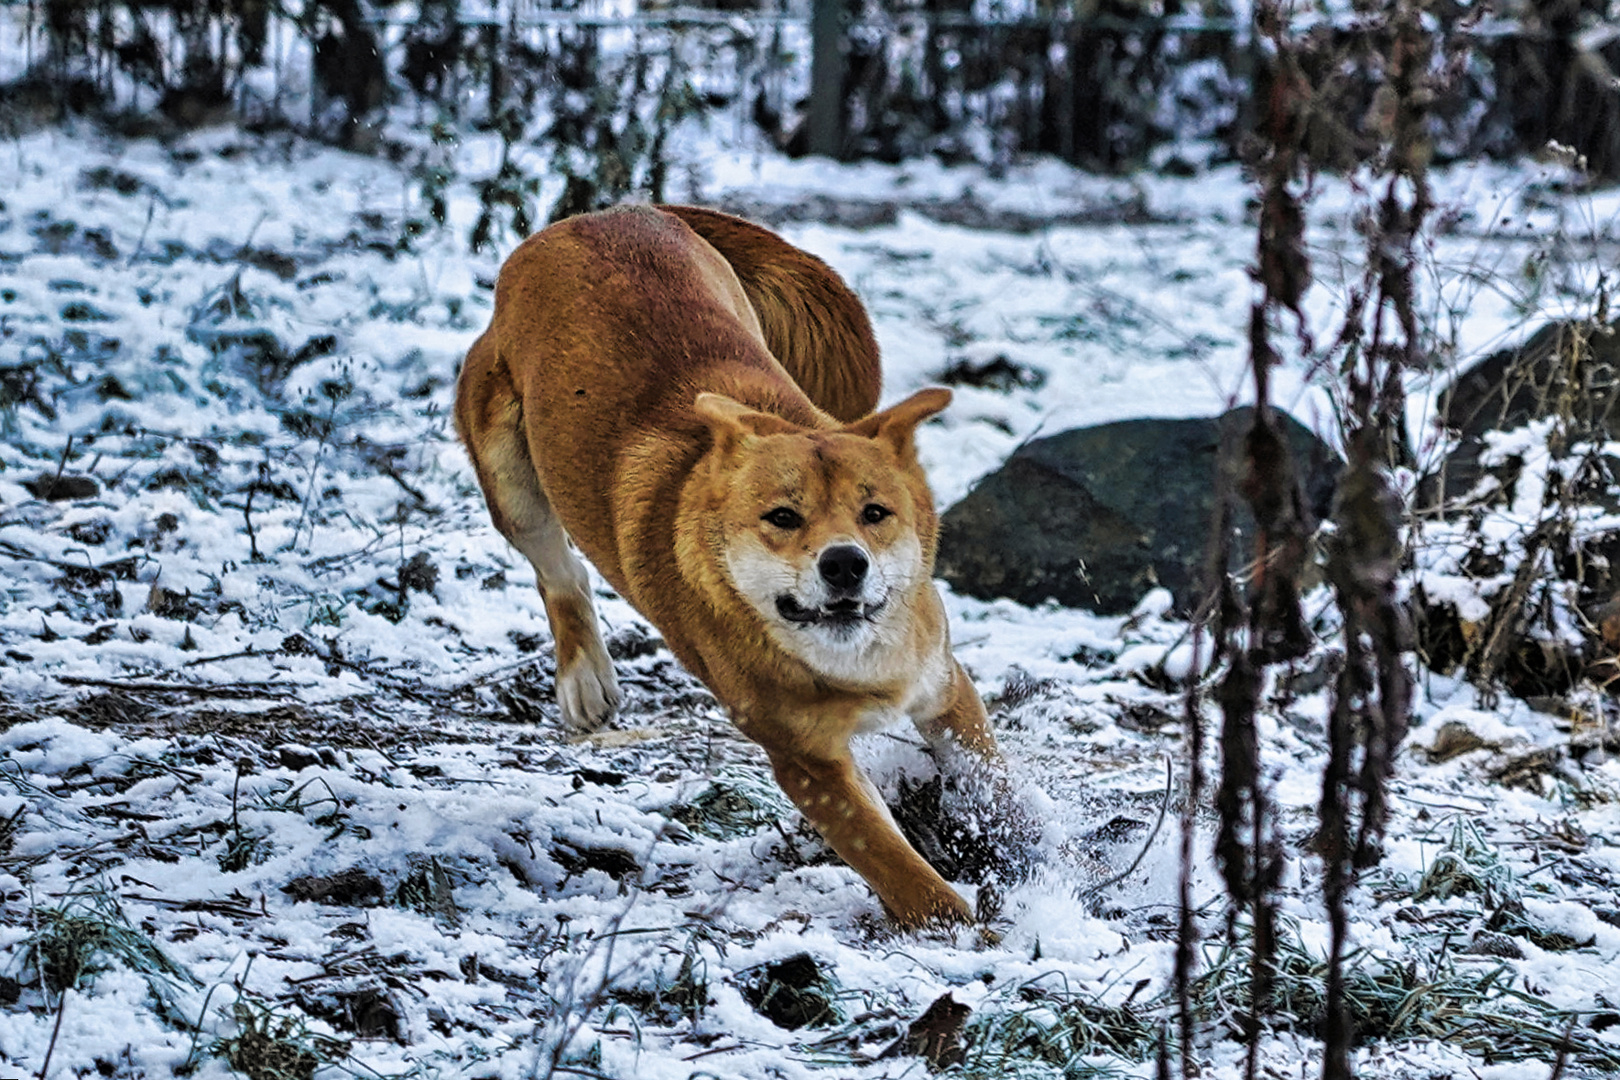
[{"x": 275, "y": 697}]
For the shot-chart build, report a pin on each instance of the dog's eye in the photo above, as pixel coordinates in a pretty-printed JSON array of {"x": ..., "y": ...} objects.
[
  {"x": 875, "y": 513},
  {"x": 784, "y": 517}
]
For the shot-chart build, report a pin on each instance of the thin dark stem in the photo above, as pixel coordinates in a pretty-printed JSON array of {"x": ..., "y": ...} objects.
[
  {"x": 247, "y": 516},
  {"x": 56, "y": 1031},
  {"x": 1187, "y": 929},
  {"x": 62, "y": 463}
]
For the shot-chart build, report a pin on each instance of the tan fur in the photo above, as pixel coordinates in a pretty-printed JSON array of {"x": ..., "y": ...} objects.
[
  {"x": 807, "y": 312},
  {"x": 653, "y": 381}
]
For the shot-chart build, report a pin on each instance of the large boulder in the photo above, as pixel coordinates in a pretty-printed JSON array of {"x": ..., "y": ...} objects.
[
  {"x": 1567, "y": 368},
  {"x": 1529, "y": 597},
  {"x": 1095, "y": 517}
]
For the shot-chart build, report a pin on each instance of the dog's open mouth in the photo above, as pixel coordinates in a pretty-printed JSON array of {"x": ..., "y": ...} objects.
[{"x": 838, "y": 614}]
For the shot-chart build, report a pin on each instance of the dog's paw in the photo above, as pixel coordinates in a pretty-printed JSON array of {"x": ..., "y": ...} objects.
[{"x": 588, "y": 693}]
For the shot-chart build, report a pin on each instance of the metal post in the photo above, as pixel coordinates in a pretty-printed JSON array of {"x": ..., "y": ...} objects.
[{"x": 826, "y": 117}]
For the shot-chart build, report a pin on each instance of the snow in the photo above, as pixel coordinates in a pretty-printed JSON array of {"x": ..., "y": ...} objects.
[{"x": 345, "y": 721}]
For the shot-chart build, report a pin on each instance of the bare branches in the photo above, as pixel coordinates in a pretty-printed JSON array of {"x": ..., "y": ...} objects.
[
  {"x": 1381, "y": 345},
  {"x": 1375, "y": 349}
]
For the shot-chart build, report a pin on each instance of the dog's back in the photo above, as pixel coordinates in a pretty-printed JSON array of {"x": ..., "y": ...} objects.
[{"x": 636, "y": 262}]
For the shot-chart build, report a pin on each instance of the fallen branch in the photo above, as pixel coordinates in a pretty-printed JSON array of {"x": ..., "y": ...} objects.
[{"x": 225, "y": 690}]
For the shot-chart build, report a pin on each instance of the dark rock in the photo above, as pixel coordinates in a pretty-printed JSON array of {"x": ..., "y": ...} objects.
[
  {"x": 419, "y": 574},
  {"x": 996, "y": 373},
  {"x": 1095, "y": 517},
  {"x": 964, "y": 831},
  {"x": 1568, "y": 367},
  {"x": 63, "y": 488},
  {"x": 1501, "y": 946},
  {"x": 616, "y": 863},
  {"x": 604, "y": 777},
  {"x": 297, "y": 758},
  {"x": 936, "y": 1035},
  {"x": 348, "y": 888},
  {"x": 633, "y": 641},
  {"x": 791, "y": 993},
  {"x": 369, "y": 1012}
]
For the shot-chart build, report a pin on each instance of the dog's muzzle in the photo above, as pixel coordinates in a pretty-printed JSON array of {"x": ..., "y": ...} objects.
[{"x": 843, "y": 569}]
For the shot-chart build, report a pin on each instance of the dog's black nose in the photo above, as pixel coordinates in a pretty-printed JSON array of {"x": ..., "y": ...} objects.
[{"x": 843, "y": 567}]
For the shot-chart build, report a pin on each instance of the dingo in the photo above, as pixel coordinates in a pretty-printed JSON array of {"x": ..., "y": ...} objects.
[{"x": 684, "y": 395}]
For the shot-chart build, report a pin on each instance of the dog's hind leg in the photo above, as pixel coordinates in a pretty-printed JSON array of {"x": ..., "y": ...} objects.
[
  {"x": 814, "y": 324},
  {"x": 587, "y": 691}
]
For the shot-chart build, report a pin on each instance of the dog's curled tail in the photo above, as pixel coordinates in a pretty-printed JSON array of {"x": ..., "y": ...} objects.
[{"x": 814, "y": 325}]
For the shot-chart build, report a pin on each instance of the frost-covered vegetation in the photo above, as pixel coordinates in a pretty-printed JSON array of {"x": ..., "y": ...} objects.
[{"x": 284, "y": 784}]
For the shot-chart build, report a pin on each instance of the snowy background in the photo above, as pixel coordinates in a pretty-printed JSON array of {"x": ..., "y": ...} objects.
[{"x": 284, "y": 787}]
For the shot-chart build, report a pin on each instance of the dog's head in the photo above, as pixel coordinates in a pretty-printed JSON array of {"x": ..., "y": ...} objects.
[{"x": 828, "y": 535}]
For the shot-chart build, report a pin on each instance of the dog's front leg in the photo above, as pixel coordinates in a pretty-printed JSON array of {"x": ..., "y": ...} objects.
[
  {"x": 964, "y": 747},
  {"x": 963, "y": 724},
  {"x": 845, "y": 808}
]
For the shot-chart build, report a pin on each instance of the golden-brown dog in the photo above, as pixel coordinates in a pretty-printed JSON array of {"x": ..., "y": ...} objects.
[{"x": 685, "y": 395}]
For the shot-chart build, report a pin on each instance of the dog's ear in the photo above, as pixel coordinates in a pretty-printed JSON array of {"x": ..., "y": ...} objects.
[
  {"x": 896, "y": 424},
  {"x": 732, "y": 422}
]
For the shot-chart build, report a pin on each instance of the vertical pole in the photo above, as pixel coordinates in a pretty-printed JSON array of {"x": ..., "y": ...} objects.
[
  {"x": 1064, "y": 84},
  {"x": 497, "y": 81},
  {"x": 826, "y": 120}
]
